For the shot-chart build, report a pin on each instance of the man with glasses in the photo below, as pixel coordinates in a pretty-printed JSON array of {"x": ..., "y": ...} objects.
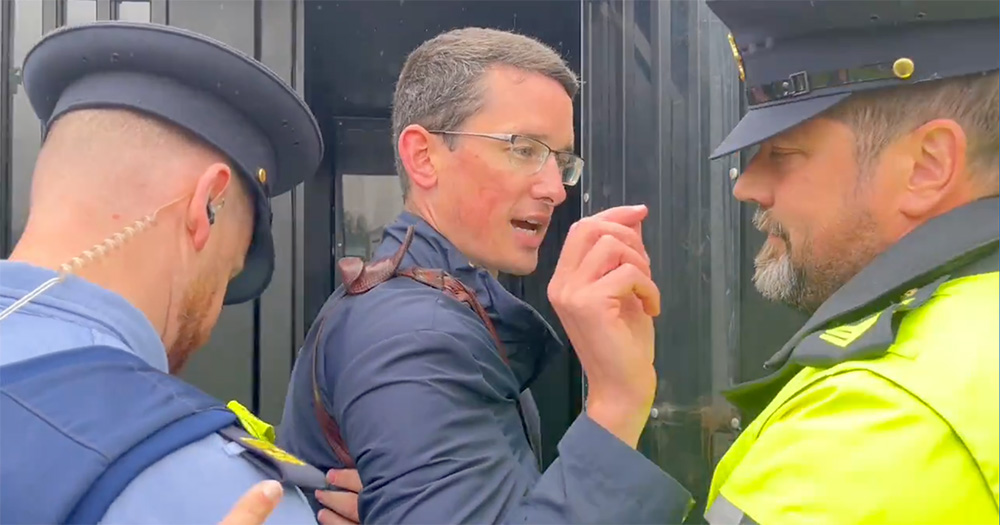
[{"x": 416, "y": 371}]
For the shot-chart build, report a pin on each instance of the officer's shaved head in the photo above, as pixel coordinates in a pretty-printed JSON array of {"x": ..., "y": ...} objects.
[
  {"x": 107, "y": 152},
  {"x": 101, "y": 170}
]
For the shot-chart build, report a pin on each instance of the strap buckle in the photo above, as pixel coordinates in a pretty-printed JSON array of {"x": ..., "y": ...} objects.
[{"x": 797, "y": 84}]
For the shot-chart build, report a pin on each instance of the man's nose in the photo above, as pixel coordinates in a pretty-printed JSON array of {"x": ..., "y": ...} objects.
[
  {"x": 549, "y": 185},
  {"x": 754, "y": 185}
]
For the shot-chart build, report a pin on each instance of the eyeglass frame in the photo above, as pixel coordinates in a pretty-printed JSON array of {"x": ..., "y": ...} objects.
[{"x": 510, "y": 138}]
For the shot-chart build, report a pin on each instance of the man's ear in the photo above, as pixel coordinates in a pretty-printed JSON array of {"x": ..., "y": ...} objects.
[
  {"x": 938, "y": 150},
  {"x": 416, "y": 150},
  {"x": 209, "y": 190}
]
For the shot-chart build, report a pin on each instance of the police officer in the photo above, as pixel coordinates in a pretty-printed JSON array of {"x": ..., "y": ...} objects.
[
  {"x": 149, "y": 210},
  {"x": 876, "y": 179}
]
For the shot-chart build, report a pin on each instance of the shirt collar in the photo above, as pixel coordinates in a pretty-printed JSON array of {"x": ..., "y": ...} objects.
[
  {"x": 76, "y": 297},
  {"x": 527, "y": 337}
]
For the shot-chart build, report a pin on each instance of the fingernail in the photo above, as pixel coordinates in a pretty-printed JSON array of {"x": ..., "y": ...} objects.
[{"x": 272, "y": 489}]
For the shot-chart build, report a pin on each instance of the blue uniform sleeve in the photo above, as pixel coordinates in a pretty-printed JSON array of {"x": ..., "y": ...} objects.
[
  {"x": 420, "y": 421},
  {"x": 199, "y": 483}
]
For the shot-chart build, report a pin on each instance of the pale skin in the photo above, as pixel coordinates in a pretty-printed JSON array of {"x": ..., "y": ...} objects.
[{"x": 470, "y": 194}]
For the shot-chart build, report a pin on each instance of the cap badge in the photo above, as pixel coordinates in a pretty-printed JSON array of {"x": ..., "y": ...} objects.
[
  {"x": 902, "y": 68},
  {"x": 261, "y": 175},
  {"x": 737, "y": 57}
]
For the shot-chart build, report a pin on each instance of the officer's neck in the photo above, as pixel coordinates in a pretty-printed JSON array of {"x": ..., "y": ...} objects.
[{"x": 140, "y": 270}]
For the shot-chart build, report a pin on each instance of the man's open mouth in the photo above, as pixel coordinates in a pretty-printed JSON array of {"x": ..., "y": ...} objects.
[{"x": 528, "y": 226}]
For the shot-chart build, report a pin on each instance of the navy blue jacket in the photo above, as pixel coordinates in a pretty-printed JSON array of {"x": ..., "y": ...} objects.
[{"x": 427, "y": 409}]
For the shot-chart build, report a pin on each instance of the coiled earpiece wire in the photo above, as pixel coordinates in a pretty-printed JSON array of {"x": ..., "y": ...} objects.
[{"x": 88, "y": 256}]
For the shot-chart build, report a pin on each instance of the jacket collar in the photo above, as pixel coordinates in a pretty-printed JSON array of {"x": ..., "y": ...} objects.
[
  {"x": 941, "y": 247},
  {"x": 528, "y": 339}
]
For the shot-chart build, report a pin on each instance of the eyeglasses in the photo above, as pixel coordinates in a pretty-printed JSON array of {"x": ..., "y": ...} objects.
[{"x": 528, "y": 155}]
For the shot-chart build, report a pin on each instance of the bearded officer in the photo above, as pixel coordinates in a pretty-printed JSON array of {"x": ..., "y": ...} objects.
[
  {"x": 876, "y": 179},
  {"x": 151, "y": 191}
]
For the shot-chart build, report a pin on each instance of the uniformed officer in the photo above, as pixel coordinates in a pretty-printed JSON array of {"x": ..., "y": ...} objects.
[
  {"x": 876, "y": 178},
  {"x": 149, "y": 210}
]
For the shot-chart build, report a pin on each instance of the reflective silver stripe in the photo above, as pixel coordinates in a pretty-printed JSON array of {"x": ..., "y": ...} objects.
[{"x": 723, "y": 512}]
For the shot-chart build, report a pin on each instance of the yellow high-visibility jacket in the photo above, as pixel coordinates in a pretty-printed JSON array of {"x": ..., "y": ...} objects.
[{"x": 886, "y": 405}]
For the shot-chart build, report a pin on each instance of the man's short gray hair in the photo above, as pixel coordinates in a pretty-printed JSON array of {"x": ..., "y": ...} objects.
[{"x": 440, "y": 85}]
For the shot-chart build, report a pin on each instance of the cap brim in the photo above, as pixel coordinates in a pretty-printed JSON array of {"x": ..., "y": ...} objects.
[
  {"x": 763, "y": 123},
  {"x": 258, "y": 267}
]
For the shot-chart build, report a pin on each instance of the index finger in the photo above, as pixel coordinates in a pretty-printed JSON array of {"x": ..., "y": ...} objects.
[
  {"x": 256, "y": 504},
  {"x": 624, "y": 215}
]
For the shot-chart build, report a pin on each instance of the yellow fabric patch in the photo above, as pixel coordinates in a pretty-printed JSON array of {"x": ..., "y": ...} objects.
[{"x": 251, "y": 423}]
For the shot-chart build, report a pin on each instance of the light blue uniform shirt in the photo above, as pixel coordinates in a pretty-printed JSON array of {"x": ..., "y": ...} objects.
[{"x": 196, "y": 484}]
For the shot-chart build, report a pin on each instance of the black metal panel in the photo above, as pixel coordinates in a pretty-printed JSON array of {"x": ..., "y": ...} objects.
[
  {"x": 6, "y": 67},
  {"x": 276, "y": 331},
  {"x": 660, "y": 92}
]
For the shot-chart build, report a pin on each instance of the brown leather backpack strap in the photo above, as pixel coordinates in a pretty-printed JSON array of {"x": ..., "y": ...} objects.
[
  {"x": 358, "y": 278},
  {"x": 331, "y": 431}
]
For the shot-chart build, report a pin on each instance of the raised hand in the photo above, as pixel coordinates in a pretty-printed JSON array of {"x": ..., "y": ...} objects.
[{"x": 605, "y": 298}]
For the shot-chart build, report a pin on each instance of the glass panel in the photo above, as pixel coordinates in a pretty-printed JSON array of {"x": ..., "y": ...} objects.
[
  {"x": 80, "y": 11},
  {"x": 370, "y": 203},
  {"x": 26, "y": 131},
  {"x": 660, "y": 91},
  {"x": 133, "y": 10}
]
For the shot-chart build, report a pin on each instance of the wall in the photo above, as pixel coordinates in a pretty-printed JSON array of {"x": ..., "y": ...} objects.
[{"x": 254, "y": 342}]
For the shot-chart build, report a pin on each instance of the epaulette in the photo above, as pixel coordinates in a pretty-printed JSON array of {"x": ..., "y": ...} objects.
[{"x": 256, "y": 437}]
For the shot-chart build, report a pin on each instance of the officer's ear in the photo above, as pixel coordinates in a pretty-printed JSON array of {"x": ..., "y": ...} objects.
[
  {"x": 203, "y": 209},
  {"x": 938, "y": 155}
]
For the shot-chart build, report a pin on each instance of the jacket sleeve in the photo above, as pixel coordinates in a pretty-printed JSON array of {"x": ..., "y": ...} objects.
[
  {"x": 419, "y": 419},
  {"x": 856, "y": 448}
]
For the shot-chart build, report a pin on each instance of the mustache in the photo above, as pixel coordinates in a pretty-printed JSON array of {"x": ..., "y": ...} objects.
[{"x": 763, "y": 221}]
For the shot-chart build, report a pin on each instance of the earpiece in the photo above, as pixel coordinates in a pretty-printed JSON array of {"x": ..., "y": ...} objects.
[{"x": 210, "y": 211}]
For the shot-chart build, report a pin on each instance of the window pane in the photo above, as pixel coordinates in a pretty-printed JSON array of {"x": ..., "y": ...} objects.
[
  {"x": 80, "y": 11},
  {"x": 133, "y": 10},
  {"x": 370, "y": 203}
]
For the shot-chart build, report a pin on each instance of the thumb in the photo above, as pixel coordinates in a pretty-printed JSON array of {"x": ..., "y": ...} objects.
[{"x": 255, "y": 505}]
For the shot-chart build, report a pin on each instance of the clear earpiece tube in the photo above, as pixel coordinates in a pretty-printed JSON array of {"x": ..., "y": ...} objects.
[{"x": 97, "y": 251}]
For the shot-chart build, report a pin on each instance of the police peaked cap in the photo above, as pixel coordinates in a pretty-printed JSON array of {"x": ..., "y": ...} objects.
[
  {"x": 800, "y": 57},
  {"x": 218, "y": 94}
]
